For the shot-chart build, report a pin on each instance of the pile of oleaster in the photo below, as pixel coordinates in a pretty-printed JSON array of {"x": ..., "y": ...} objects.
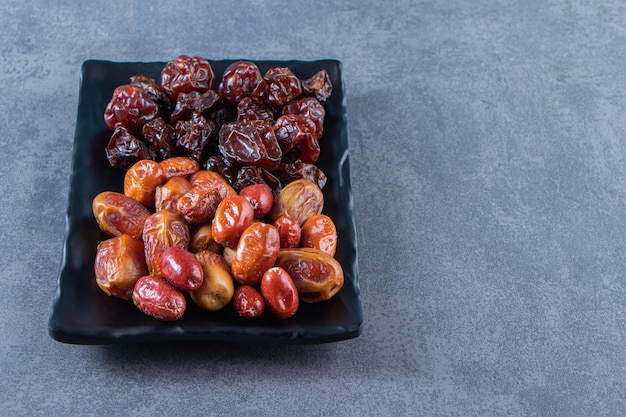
[{"x": 222, "y": 198}]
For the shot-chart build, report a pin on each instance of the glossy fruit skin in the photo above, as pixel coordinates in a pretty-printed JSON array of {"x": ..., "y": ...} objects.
[
  {"x": 202, "y": 239},
  {"x": 278, "y": 86},
  {"x": 142, "y": 179},
  {"x": 289, "y": 231},
  {"x": 194, "y": 136},
  {"x": 261, "y": 198},
  {"x": 198, "y": 205},
  {"x": 208, "y": 179},
  {"x": 310, "y": 108},
  {"x": 300, "y": 199},
  {"x": 118, "y": 214},
  {"x": 256, "y": 252},
  {"x": 280, "y": 293},
  {"x": 233, "y": 215},
  {"x": 166, "y": 196},
  {"x": 162, "y": 230},
  {"x": 318, "y": 86},
  {"x": 131, "y": 107},
  {"x": 181, "y": 268},
  {"x": 320, "y": 232},
  {"x": 180, "y": 166},
  {"x": 296, "y": 135},
  {"x": 250, "y": 143},
  {"x": 124, "y": 149},
  {"x": 248, "y": 302},
  {"x": 158, "y": 298},
  {"x": 317, "y": 275},
  {"x": 160, "y": 137},
  {"x": 239, "y": 80},
  {"x": 217, "y": 289},
  {"x": 185, "y": 74},
  {"x": 119, "y": 263}
]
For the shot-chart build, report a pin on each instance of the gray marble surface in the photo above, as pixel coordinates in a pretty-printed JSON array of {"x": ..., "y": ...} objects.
[{"x": 488, "y": 157}]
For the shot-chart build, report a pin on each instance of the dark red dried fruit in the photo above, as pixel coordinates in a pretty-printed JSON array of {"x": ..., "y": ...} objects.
[
  {"x": 256, "y": 175},
  {"x": 250, "y": 143},
  {"x": 124, "y": 149},
  {"x": 155, "y": 91},
  {"x": 223, "y": 166},
  {"x": 279, "y": 85},
  {"x": 318, "y": 86},
  {"x": 239, "y": 80},
  {"x": 194, "y": 135},
  {"x": 288, "y": 172},
  {"x": 310, "y": 108},
  {"x": 295, "y": 134},
  {"x": 189, "y": 103},
  {"x": 249, "y": 109},
  {"x": 185, "y": 74},
  {"x": 160, "y": 137},
  {"x": 131, "y": 107}
]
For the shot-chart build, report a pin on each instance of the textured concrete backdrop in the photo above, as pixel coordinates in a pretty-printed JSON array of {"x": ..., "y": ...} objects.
[{"x": 488, "y": 164}]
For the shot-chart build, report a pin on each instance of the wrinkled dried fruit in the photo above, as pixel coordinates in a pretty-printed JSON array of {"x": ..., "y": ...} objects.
[
  {"x": 131, "y": 107},
  {"x": 210, "y": 179},
  {"x": 216, "y": 292},
  {"x": 256, "y": 253},
  {"x": 278, "y": 86},
  {"x": 167, "y": 195},
  {"x": 233, "y": 215},
  {"x": 118, "y": 265},
  {"x": 118, "y": 214},
  {"x": 239, "y": 80},
  {"x": 160, "y": 137},
  {"x": 185, "y": 74},
  {"x": 250, "y": 143},
  {"x": 317, "y": 275},
  {"x": 162, "y": 230},
  {"x": 318, "y": 85},
  {"x": 180, "y": 166},
  {"x": 142, "y": 179},
  {"x": 288, "y": 172},
  {"x": 319, "y": 232},
  {"x": 157, "y": 298},
  {"x": 299, "y": 199},
  {"x": 194, "y": 136},
  {"x": 309, "y": 108},
  {"x": 124, "y": 149},
  {"x": 199, "y": 204}
]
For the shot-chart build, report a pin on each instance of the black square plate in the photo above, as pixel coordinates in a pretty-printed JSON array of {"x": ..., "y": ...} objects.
[{"x": 83, "y": 314}]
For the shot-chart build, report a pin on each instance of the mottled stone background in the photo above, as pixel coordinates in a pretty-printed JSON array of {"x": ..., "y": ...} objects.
[{"x": 488, "y": 157}]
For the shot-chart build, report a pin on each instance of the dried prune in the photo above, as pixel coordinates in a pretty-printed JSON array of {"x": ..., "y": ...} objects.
[
  {"x": 185, "y": 74},
  {"x": 194, "y": 135},
  {"x": 131, "y": 107},
  {"x": 278, "y": 86},
  {"x": 124, "y": 149},
  {"x": 249, "y": 109},
  {"x": 310, "y": 108},
  {"x": 288, "y": 172},
  {"x": 155, "y": 91},
  {"x": 239, "y": 80},
  {"x": 256, "y": 175},
  {"x": 221, "y": 165},
  {"x": 318, "y": 85},
  {"x": 296, "y": 135},
  {"x": 250, "y": 143},
  {"x": 160, "y": 137},
  {"x": 193, "y": 102}
]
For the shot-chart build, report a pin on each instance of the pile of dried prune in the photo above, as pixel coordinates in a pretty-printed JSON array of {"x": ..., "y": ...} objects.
[{"x": 252, "y": 128}]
